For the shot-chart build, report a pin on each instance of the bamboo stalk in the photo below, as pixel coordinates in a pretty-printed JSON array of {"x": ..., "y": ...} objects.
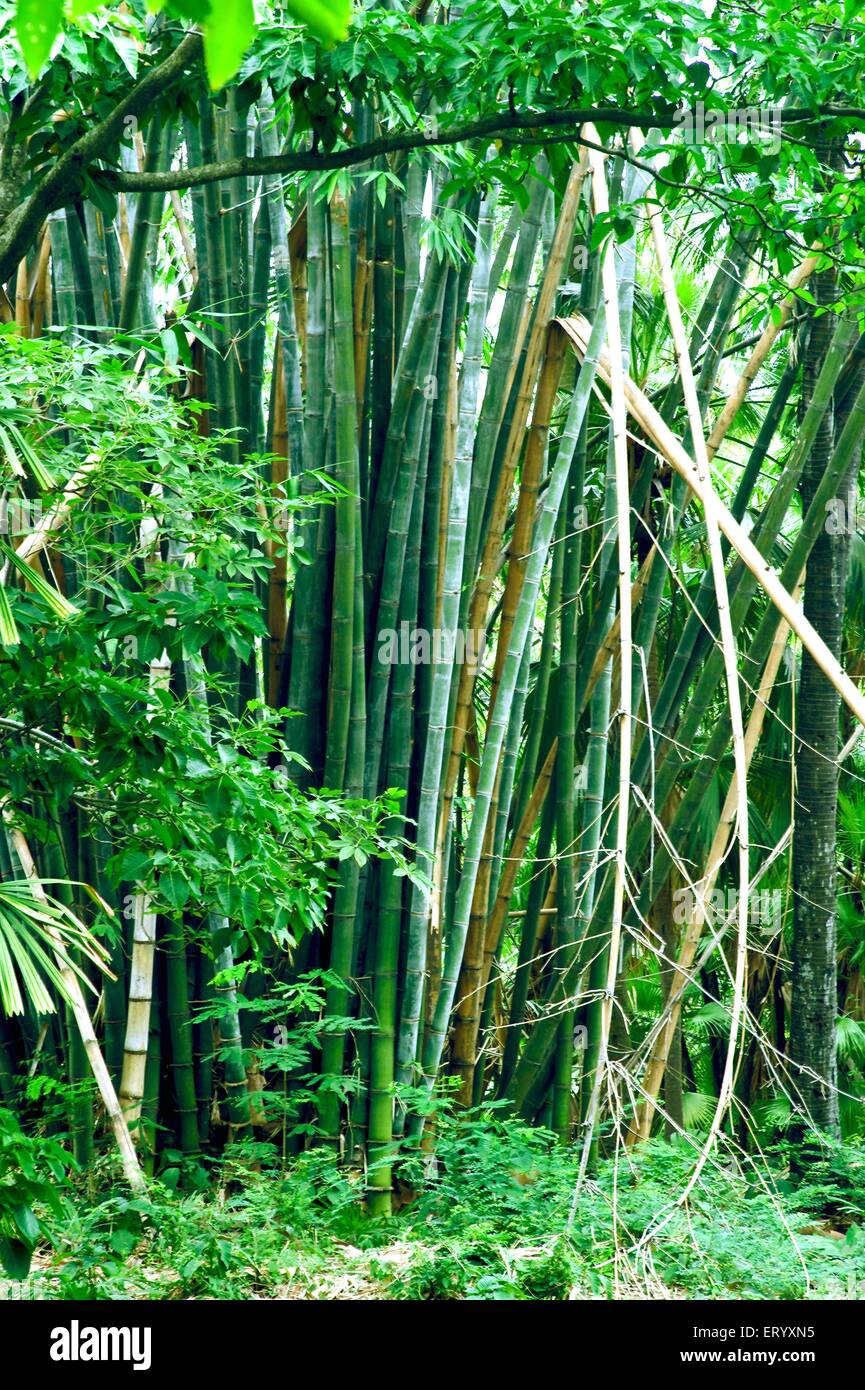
[
  {"x": 499, "y": 510},
  {"x": 180, "y": 1028},
  {"x": 506, "y": 360},
  {"x": 277, "y": 579},
  {"x": 535, "y": 908},
  {"x": 22, "y": 299},
  {"x": 656, "y": 1065},
  {"x": 387, "y": 933},
  {"x": 99, "y": 276},
  {"x": 40, "y": 289},
  {"x": 141, "y": 970},
  {"x": 497, "y": 727},
  {"x": 434, "y": 751},
  {"x": 531, "y": 1068},
  {"x": 623, "y": 541},
  {"x": 137, "y": 304},
  {"x": 347, "y": 702},
  {"x": 516, "y": 853},
  {"x": 140, "y": 998}
]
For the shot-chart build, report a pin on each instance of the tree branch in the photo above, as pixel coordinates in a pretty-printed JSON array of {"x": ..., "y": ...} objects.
[
  {"x": 64, "y": 178},
  {"x": 502, "y": 123}
]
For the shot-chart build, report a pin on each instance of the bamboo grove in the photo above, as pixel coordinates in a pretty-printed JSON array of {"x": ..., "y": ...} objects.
[{"x": 455, "y": 511}]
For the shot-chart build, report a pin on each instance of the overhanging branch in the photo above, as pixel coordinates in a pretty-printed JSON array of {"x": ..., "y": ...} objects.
[
  {"x": 501, "y": 124},
  {"x": 64, "y": 179}
]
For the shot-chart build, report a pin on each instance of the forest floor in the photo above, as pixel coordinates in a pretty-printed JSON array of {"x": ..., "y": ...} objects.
[{"x": 497, "y": 1219}]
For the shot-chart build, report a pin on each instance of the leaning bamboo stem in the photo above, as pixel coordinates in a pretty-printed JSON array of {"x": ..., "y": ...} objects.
[
  {"x": 128, "y": 1156},
  {"x": 654, "y": 1073},
  {"x": 530, "y": 1073},
  {"x": 650, "y": 421},
  {"x": 758, "y": 356},
  {"x": 36, "y": 541}
]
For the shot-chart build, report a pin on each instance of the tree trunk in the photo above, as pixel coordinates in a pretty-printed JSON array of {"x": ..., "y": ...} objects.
[{"x": 814, "y": 1005}]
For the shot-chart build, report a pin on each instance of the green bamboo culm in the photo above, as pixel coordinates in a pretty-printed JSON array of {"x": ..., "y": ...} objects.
[
  {"x": 346, "y": 695},
  {"x": 180, "y": 1030},
  {"x": 215, "y": 306},
  {"x": 62, "y": 274},
  {"x": 387, "y": 936},
  {"x": 307, "y": 680},
  {"x": 545, "y": 526},
  {"x": 434, "y": 753},
  {"x": 285, "y": 298},
  {"x": 566, "y": 819},
  {"x": 136, "y": 307}
]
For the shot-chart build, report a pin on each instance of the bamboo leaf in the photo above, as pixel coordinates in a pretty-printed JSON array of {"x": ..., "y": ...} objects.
[
  {"x": 36, "y": 937},
  {"x": 11, "y": 1000},
  {"x": 228, "y": 32},
  {"x": 11, "y": 454}
]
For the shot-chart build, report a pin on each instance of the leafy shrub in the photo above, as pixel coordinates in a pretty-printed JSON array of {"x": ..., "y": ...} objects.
[{"x": 31, "y": 1173}]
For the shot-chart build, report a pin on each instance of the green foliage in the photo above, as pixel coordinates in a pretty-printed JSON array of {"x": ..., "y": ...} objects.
[
  {"x": 228, "y": 26},
  {"x": 145, "y": 654},
  {"x": 832, "y": 1181},
  {"x": 288, "y": 1022},
  {"x": 477, "y": 1231},
  {"x": 208, "y": 814},
  {"x": 31, "y": 1174}
]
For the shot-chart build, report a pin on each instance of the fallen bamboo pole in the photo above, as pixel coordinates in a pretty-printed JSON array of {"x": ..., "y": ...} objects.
[{"x": 674, "y": 453}]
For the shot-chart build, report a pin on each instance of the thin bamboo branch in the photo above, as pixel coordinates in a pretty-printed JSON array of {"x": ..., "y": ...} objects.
[
  {"x": 728, "y": 643},
  {"x": 671, "y": 449},
  {"x": 654, "y": 1073}
]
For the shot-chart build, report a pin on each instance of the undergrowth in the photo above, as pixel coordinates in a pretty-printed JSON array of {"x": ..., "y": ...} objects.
[{"x": 492, "y": 1217}]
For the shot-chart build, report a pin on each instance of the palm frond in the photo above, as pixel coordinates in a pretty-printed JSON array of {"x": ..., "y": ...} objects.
[{"x": 37, "y": 939}]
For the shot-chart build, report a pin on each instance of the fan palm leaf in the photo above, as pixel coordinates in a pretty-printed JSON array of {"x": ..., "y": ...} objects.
[{"x": 37, "y": 939}]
